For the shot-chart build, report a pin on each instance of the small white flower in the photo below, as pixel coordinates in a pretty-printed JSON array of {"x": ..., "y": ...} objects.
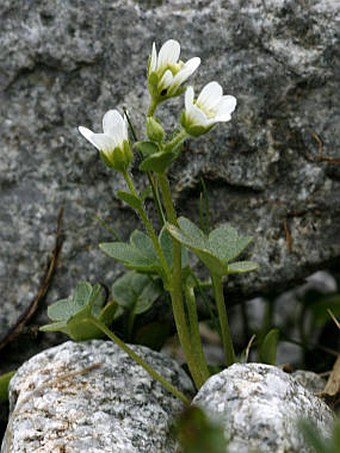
[
  {"x": 166, "y": 72},
  {"x": 211, "y": 107},
  {"x": 113, "y": 143}
]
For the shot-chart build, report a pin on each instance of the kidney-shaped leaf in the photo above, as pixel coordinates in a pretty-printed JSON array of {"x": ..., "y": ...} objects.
[
  {"x": 217, "y": 249},
  {"x": 84, "y": 295},
  {"x": 73, "y": 315},
  {"x": 138, "y": 255},
  {"x": 226, "y": 243},
  {"x": 135, "y": 292}
]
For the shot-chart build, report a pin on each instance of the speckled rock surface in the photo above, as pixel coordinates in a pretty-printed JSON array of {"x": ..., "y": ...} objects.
[
  {"x": 313, "y": 382},
  {"x": 64, "y": 63},
  {"x": 259, "y": 406},
  {"x": 58, "y": 403}
]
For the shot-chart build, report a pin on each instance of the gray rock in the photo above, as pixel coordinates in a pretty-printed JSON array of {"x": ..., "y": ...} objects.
[
  {"x": 310, "y": 380},
  {"x": 64, "y": 63},
  {"x": 59, "y": 403},
  {"x": 259, "y": 406}
]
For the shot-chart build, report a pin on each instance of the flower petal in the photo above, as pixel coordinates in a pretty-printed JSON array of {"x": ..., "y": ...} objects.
[
  {"x": 112, "y": 121},
  {"x": 153, "y": 59},
  {"x": 87, "y": 133},
  {"x": 226, "y": 105},
  {"x": 115, "y": 126},
  {"x": 100, "y": 141},
  {"x": 225, "y": 108},
  {"x": 103, "y": 142},
  {"x": 166, "y": 80},
  {"x": 168, "y": 54},
  {"x": 210, "y": 96},
  {"x": 187, "y": 70},
  {"x": 197, "y": 117},
  {"x": 189, "y": 98}
]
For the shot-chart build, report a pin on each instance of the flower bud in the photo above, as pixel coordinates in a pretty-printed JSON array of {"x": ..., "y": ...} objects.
[{"x": 154, "y": 130}]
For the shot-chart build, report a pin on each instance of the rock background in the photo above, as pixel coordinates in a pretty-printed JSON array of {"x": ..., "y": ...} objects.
[
  {"x": 269, "y": 171},
  {"x": 259, "y": 406},
  {"x": 59, "y": 403}
]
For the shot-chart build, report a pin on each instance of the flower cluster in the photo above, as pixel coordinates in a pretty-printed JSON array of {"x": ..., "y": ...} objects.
[
  {"x": 166, "y": 76},
  {"x": 156, "y": 259}
]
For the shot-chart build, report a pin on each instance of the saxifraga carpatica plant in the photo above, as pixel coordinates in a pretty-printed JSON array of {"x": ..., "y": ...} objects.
[{"x": 152, "y": 256}]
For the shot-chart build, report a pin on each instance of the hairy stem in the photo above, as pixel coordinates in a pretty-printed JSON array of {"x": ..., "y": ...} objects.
[
  {"x": 143, "y": 215},
  {"x": 194, "y": 332},
  {"x": 176, "y": 292},
  {"x": 153, "y": 373},
  {"x": 223, "y": 318}
]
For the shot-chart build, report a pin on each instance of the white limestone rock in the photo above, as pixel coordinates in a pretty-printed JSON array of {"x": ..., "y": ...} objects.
[
  {"x": 259, "y": 406},
  {"x": 91, "y": 397}
]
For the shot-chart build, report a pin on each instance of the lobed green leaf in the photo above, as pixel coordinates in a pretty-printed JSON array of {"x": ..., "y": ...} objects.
[
  {"x": 217, "y": 249},
  {"x": 158, "y": 162},
  {"x": 135, "y": 292}
]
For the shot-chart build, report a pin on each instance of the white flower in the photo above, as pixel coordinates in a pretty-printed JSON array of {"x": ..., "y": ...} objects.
[
  {"x": 166, "y": 72},
  {"x": 113, "y": 144},
  {"x": 211, "y": 107}
]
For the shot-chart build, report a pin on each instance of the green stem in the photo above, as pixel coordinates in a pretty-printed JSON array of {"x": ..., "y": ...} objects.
[
  {"x": 194, "y": 332},
  {"x": 152, "y": 107},
  {"x": 149, "y": 227},
  {"x": 150, "y": 178},
  {"x": 223, "y": 318},
  {"x": 182, "y": 135},
  {"x": 176, "y": 292},
  {"x": 153, "y": 373}
]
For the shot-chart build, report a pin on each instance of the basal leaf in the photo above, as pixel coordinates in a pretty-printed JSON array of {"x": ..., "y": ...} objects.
[
  {"x": 61, "y": 310},
  {"x": 135, "y": 292},
  {"x": 72, "y": 316},
  {"x": 242, "y": 266},
  {"x": 59, "y": 326},
  {"x": 4, "y": 383},
  {"x": 268, "y": 348},
  {"x": 65, "y": 308},
  {"x": 130, "y": 256},
  {"x": 80, "y": 327},
  {"x": 110, "y": 312}
]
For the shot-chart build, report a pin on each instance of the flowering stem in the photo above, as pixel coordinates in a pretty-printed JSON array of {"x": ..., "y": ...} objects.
[
  {"x": 182, "y": 135},
  {"x": 150, "y": 178},
  {"x": 176, "y": 292},
  {"x": 194, "y": 332},
  {"x": 223, "y": 318},
  {"x": 143, "y": 215},
  {"x": 152, "y": 107},
  {"x": 153, "y": 373}
]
